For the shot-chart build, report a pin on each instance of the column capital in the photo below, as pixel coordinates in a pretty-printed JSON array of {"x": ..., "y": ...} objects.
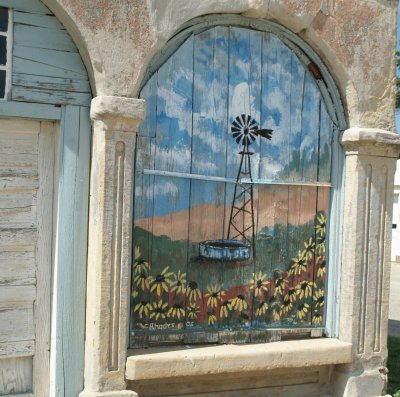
[
  {"x": 370, "y": 142},
  {"x": 120, "y": 113}
]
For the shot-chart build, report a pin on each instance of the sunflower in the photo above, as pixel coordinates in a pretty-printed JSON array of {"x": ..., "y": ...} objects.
[
  {"x": 321, "y": 269},
  {"x": 176, "y": 311},
  {"x": 304, "y": 289},
  {"x": 299, "y": 264},
  {"x": 319, "y": 298},
  {"x": 280, "y": 285},
  {"x": 287, "y": 304},
  {"x": 161, "y": 281},
  {"x": 320, "y": 248},
  {"x": 309, "y": 248},
  {"x": 143, "y": 280},
  {"x": 317, "y": 318},
  {"x": 261, "y": 309},
  {"x": 192, "y": 311},
  {"x": 226, "y": 307},
  {"x": 213, "y": 295},
  {"x": 259, "y": 283},
  {"x": 193, "y": 291},
  {"x": 140, "y": 265},
  {"x": 291, "y": 294},
  {"x": 276, "y": 314},
  {"x": 159, "y": 310},
  {"x": 143, "y": 308},
  {"x": 212, "y": 318},
  {"x": 321, "y": 225},
  {"x": 178, "y": 284},
  {"x": 239, "y": 303},
  {"x": 302, "y": 310}
]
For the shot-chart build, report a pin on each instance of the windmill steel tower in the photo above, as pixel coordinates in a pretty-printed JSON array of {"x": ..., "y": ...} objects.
[{"x": 241, "y": 229}]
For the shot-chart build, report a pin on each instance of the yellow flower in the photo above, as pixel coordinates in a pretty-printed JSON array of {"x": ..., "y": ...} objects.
[
  {"x": 140, "y": 265},
  {"x": 142, "y": 308},
  {"x": 309, "y": 249},
  {"x": 212, "y": 318},
  {"x": 214, "y": 293},
  {"x": 302, "y": 310},
  {"x": 304, "y": 289},
  {"x": 226, "y": 307},
  {"x": 161, "y": 282},
  {"x": 193, "y": 291},
  {"x": 261, "y": 309},
  {"x": 176, "y": 311},
  {"x": 319, "y": 298},
  {"x": 159, "y": 310},
  {"x": 320, "y": 248},
  {"x": 135, "y": 294},
  {"x": 291, "y": 294},
  {"x": 239, "y": 303},
  {"x": 276, "y": 314},
  {"x": 142, "y": 280},
  {"x": 259, "y": 283},
  {"x": 178, "y": 285},
  {"x": 317, "y": 318},
  {"x": 287, "y": 304},
  {"x": 193, "y": 311},
  {"x": 299, "y": 264},
  {"x": 321, "y": 268},
  {"x": 321, "y": 225},
  {"x": 280, "y": 285}
]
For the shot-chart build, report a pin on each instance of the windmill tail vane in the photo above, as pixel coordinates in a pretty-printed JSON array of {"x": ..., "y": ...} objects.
[{"x": 241, "y": 221}]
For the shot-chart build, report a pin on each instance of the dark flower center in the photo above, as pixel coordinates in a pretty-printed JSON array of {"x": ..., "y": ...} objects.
[
  {"x": 193, "y": 285},
  {"x": 177, "y": 306},
  {"x": 259, "y": 284},
  {"x": 159, "y": 278},
  {"x": 241, "y": 297},
  {"x": 143, "y": 303}
]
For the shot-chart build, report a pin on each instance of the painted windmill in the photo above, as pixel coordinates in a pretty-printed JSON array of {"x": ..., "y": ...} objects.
[{"x": 241, "y": 229}]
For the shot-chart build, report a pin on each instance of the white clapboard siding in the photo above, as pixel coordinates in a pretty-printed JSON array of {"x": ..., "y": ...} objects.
[
  {"x": 46, "y": 65},
  {"x": 27, "y": 150}
]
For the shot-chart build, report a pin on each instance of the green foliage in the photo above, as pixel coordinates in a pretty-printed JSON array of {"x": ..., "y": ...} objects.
[{"x": 394, "y": 366}]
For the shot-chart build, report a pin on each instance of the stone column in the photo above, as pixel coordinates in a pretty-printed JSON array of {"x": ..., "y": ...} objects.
[
  {"x": 369, "y": 172},
  {"x": 115, "y": 124}
]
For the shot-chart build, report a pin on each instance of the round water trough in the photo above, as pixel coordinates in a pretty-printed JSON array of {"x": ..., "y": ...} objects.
[{"x": 226, "y": 250}]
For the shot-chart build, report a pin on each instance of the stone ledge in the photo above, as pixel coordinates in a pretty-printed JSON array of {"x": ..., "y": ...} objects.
[
  {"x": 126, "y": 113},
  {"x": 371, "y": 141},
  {"x": 238, "y": 358}
]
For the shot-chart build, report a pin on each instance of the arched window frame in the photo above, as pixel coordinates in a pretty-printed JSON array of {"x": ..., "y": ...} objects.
[{"x": 331, "y": 98}]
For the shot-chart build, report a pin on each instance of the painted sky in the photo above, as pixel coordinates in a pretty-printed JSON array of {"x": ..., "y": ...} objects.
[{"x": 197, "y": 93}]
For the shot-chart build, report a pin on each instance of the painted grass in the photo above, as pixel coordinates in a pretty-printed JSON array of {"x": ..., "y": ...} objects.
[{"x": 394, "y": 366}]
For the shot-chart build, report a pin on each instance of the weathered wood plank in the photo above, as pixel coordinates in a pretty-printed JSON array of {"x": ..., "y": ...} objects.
[
  {"x": 42, "y": 306},
  {"x": 21, "y": 66},
  {"x": 50, "y": 83},
  {"x": 47, "y": 96},
  {"x": 16, "y": 376},
  {"x": 17, "y": 324},
  {"x": 207, "y": 199},
  {"x": 17, "y": 240},
  {"x": 45, "y": 21},
  {"x": 19, "y": 182},
  {"x": 29, "y": 110},
  {"x": 17, "y": 210},
  {"x": 66, "y": 60},
  {"x": 17, "y": 268},
  {"x": 38, "y": 37},
  {"x": 326, "y": 136},
  {"x": 10, "y": 127},
  {"x": 36, "y": 7},
  {"x": 17, "y": 349},
  {"x": 17, "y": 295}
]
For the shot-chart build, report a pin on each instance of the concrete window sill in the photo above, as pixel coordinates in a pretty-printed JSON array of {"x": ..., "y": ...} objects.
[{"x": 153, "y": 364}]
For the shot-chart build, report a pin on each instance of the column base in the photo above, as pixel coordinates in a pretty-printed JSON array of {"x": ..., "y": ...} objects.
[{"x": 116, "y": 393}]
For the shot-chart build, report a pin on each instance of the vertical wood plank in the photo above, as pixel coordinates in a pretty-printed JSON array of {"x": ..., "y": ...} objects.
[
  {"x": 15, "y": 376},
  {"x": 326, "y": 136},
  {"x": 41, "y": 361},
  {"x": 208, "y": 158},
  {"x": 171, "y": 195},
  {"x": 70, "y": 265}
]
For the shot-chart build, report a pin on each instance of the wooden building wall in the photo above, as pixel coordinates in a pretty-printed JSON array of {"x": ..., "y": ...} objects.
[{"x": 44, "y": 165}]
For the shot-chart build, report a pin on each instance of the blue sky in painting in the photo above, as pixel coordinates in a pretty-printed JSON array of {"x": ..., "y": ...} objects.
[{"x": 265, "y": 80}]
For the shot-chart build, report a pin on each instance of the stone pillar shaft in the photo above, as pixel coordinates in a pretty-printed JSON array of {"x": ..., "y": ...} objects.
[
  {"x": 369, "y": 172},
  {"x": 115, "y": 124}
]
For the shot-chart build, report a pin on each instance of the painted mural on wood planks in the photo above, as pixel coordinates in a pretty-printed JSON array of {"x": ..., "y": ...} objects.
[{"x": 232, "y": 190}]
